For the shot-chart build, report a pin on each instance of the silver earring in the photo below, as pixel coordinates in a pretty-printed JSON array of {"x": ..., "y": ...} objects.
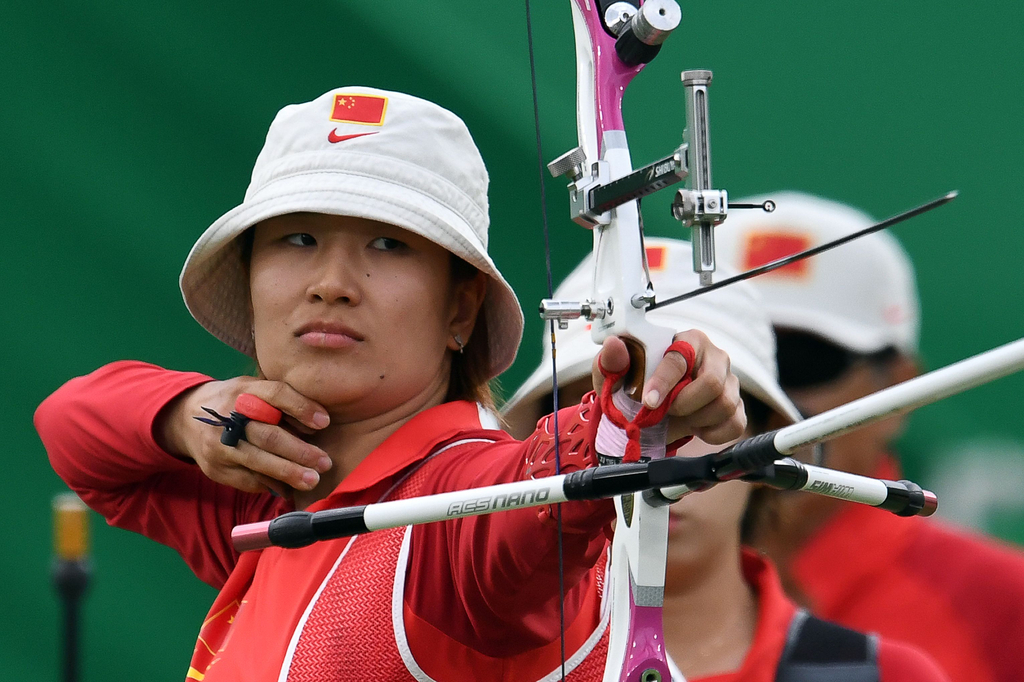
[{"x": 458, "y": 340}]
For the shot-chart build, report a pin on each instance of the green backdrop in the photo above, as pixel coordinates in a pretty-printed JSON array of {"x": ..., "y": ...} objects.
[{"x": 127, "y": 127}]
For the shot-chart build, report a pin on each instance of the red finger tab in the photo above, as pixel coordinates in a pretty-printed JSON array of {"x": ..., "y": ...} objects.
[{"x": 257, "y": 409}]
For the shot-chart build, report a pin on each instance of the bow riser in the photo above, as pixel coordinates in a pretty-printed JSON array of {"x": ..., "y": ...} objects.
[
  {"x": 637, "y": 590},
  {"x": 598, "y": 99},
  {"x": 640, "y": 544},
  {"x": 636, "y": 651}
]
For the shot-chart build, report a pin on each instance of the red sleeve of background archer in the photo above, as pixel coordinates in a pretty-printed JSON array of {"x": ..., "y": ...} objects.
[
  {"x": 502, "y": 570},
  {"x": 98, "y": 433},
  {"x": 899, "y": 662}
]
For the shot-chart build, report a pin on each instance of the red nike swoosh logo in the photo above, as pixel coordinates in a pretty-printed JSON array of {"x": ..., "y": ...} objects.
[{"x": 333, "y": 137}]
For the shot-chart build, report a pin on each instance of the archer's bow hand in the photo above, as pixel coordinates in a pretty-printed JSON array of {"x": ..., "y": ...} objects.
[{"x": 709, "y": 408}]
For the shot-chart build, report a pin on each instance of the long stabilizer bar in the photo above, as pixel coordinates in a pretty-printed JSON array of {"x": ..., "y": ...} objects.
[
  {"x": 764, "y": 449},
  {"x": 301, "y": 528}
]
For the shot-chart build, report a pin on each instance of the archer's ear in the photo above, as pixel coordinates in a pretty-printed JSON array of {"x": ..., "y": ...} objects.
[{"x": 468, "y": 298}]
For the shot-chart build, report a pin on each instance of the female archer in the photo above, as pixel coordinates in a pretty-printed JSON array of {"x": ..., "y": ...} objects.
[{"x": 356, "y": 274}]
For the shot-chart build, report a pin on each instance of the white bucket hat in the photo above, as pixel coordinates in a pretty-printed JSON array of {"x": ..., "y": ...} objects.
[
  {"x": 732, "y": 317},
  {"x": 860, "y": 296},
  {"x": 366, "y": 153}
]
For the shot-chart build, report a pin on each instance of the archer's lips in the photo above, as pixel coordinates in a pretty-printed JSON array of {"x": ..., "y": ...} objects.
[{"x": 326, "y": 334}]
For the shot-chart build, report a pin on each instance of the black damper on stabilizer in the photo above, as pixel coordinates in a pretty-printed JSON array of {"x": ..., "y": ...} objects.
[{"x": 632, "y": 51}]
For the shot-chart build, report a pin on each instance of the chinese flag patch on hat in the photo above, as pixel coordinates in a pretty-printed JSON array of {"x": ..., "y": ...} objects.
[
  {"x": 764, "y": 247},
  {"x": 656, "y": 257},
  {"x": 364, "y": 109}
]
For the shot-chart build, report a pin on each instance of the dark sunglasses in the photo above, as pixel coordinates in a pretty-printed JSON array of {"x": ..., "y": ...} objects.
[{"x": 806, "y": 360}]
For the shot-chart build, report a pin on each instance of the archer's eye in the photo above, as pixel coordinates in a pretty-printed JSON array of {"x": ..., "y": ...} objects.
[
  {"x": 387, "y": 244},
  {"x": 301, "y": 239}
]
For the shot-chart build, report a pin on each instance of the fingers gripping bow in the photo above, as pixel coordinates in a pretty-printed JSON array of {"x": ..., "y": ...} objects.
[{"x": 645, "y": 417}]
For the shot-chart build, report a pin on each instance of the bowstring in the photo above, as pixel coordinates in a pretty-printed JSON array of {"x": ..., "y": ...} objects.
[{"x": 554, "y": 372}]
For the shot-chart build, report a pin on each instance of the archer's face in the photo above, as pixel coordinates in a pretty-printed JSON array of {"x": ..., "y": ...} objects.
[
  {"x": 352, "y": 313},
  {"x": 704, "y": 527}
]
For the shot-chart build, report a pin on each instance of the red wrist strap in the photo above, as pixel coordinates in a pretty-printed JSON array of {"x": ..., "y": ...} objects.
[
  {"x": 646, "y": 416},
  {"x": 257, "y": 409}
]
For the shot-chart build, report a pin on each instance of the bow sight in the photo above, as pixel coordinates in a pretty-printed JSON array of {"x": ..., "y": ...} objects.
[{"x": 639, "y": 33}]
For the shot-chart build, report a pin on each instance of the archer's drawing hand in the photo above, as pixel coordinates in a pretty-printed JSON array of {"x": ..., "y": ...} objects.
[
  {"x": 710, "y": 408},
  {"x": 272, "y": 458}
]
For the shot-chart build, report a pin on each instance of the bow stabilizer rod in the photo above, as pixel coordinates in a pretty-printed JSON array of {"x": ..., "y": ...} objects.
[
  {"x": 672, "y": 474},
  {"x": 928, "y": 388},
  {"x": 902, "y": 498}
]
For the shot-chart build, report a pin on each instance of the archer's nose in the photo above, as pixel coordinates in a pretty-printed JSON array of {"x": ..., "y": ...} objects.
[{"x": 335, "y": 278}]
